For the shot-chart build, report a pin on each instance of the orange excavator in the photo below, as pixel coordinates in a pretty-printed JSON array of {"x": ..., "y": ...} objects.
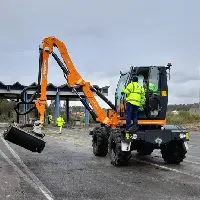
[{"x": 151, "y": 133}]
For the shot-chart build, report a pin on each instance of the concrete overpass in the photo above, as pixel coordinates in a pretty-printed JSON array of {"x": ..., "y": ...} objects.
[{"x": 58, "y": 93}]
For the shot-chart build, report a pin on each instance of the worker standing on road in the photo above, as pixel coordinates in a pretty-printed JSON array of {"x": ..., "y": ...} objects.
[
  {"x": 49, "y": 117},
  {"x": 134, "y": 96},
  {"x": 60, "y": 121}
]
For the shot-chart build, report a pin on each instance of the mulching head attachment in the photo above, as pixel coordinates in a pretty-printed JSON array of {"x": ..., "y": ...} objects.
[{"x": 21, "y": 137}]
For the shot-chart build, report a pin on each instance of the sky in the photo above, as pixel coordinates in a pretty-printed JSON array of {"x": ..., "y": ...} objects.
[{"x": 102, "y": 38}]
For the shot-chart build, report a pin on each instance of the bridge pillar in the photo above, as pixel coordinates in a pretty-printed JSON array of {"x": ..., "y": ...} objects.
[
  {"x": 67, "y": 110},
  {"x": 57, "y": 111},
  {"x": 25, "y": 107},
  {"x": 18, "y": 109}
]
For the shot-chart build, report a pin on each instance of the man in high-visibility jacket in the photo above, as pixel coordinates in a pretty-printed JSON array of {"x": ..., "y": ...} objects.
[
  {"x": 134, "y": 99},
  {"x": 60, "y": 121}
]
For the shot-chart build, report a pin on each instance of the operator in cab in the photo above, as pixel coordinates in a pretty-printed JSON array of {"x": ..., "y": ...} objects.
[
  {"x": 134, "y": 97},
  {"x": 152, "y": 87}
]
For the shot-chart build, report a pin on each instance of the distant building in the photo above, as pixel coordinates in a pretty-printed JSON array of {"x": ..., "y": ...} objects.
[
  {"x": 78, "y": 114},
  {"x": 175, "y": 112}
]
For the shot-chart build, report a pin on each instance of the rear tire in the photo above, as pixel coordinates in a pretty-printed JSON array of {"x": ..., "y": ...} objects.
[
  {"x": 100, "y": 141},
  {"x": 173, "y": 153},
  {"x": 117, "y": 156}
]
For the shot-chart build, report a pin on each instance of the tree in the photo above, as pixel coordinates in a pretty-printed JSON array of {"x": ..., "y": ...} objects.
[{"x": 6, "y": 110}]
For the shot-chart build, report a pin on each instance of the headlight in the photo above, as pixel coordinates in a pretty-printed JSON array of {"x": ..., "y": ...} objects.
[
  {"x": 134, "y": 136},
  {"x": 182, "y": 135}
]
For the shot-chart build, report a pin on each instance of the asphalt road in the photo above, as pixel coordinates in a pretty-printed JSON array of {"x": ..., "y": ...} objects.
[{"x": 67, "y": 169}]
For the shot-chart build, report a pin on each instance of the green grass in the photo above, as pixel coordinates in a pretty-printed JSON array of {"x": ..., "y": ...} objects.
[{"x": 184, "y": 117}]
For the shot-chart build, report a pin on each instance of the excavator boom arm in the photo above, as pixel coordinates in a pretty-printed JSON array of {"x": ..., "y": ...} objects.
[
  {"x": 73, "y": 79},
  {"x": 32, "y": 140}
]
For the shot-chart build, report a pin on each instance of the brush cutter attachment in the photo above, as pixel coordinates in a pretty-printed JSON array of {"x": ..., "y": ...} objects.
[{"x": 29, "y": 140}]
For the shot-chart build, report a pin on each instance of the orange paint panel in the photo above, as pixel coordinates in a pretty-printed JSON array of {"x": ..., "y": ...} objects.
[
  {"x": 148, "y": 122},
  {"x": 152, "y": 122}
]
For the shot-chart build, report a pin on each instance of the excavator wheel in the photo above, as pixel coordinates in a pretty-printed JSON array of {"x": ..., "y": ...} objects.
[
  {"x": 173, "y": 153},
  {"x": 117, "y": 156},
  {"x": 100, "y": 141}
]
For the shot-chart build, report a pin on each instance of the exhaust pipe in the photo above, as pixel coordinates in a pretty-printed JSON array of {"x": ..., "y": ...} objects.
[{"x": 23, "y": 138}]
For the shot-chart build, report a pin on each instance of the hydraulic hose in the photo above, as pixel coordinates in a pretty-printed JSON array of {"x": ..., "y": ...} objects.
[
  {"x": 37, "y": 88},
  {"x": 103, "y": 97},
  {"x": 62, "y": 66},
  {"x": 65, "y": 71},
  {"x": 93, "y": 114},
  {"x": 16, "y": 108}
]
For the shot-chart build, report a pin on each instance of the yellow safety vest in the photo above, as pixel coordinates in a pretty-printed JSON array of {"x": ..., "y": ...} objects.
[
  {"x": 60, "y": 121},
  {"x": 134, "y": 93}
]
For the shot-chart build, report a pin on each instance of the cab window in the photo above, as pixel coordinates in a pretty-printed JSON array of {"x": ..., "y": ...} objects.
[
  {"x": 154, "y": 77},
  {"x": 120, "y": 86}
]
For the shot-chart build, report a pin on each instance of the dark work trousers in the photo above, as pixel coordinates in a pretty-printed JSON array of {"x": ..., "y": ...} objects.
[{"x": 131, "y": 114}]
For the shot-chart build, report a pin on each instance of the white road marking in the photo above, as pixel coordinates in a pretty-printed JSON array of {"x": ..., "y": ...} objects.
[
  {"x": 193, "y": 146},
  {"x": 39, "y": 184},
  {"x": 167, "y": 168},
  {"x": 195, "y": 157},
  {"x": 24, "y": 176},
  {"x": 193, "y": 162}
]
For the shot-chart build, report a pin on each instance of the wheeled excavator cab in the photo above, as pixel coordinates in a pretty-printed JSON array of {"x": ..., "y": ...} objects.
[
  {"x": 152, "y": 131},
  {"x": 155, "y": 107}
]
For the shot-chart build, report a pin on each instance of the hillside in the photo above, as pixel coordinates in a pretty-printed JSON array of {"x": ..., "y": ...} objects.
[{"x": 184, "y": 107}]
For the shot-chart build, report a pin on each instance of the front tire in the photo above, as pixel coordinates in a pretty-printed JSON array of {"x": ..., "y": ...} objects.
[
  {"x": 117, "y": 156},
  {"x": 173, "y": 153}
]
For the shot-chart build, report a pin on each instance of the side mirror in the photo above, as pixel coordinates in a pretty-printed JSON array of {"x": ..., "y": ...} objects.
[{"x": 169, "y": 68}]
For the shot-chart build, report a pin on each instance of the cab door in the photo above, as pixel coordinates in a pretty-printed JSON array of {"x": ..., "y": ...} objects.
[
  {"x": 119, "y": 97},
  {"x": 153, "y": 98}
]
